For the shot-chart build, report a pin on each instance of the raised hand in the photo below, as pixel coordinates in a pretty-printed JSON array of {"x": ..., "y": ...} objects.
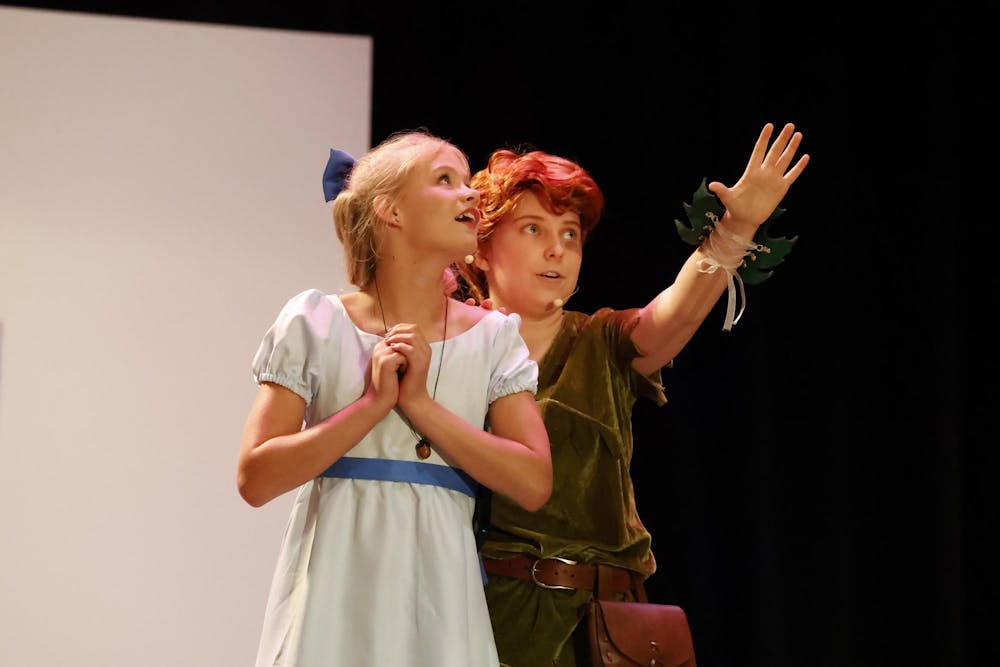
[{"x": 766, "y": 179}]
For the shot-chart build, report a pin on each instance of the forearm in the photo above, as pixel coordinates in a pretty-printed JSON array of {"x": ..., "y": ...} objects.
[
  {"x": 688, "y": 301},
  {"x": 515, "y": 463},
  {"x": 669, "y": 321},
  {"x": 285, "y": 461}
]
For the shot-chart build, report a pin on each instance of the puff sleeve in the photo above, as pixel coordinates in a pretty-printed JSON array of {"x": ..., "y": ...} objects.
[
  {"x": 513, "y": 371},
  {"x": 290, "y": 353}
]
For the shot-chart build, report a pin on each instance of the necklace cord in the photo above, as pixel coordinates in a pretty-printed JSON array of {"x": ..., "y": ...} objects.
[{"x": 423, "y": 445}]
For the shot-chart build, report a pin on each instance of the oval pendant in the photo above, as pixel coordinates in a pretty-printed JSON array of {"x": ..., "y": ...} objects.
[{"x": 423, "y": 448}]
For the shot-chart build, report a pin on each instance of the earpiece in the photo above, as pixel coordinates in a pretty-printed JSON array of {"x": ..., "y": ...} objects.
[{"x": 469, "y": 259}]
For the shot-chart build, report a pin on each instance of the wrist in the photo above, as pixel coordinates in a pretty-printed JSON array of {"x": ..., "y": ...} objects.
[
  {"x": 739, "y": 226},
  {"x": 418, "y": 405},
  {"x": 378, "y": 404},
  {"x": 726, "y": 246}
]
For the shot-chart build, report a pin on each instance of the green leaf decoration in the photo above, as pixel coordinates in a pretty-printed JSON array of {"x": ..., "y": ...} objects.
[
  {"x": 757, "y": 266},
  {"x": 702, "y": 203}
]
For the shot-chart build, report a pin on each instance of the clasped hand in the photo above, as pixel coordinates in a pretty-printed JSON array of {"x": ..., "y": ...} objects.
[{"x": 399, "y": 366}]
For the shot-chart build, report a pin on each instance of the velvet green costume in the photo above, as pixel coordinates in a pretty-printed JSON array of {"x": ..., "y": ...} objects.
[{"x": 586, "y": 391}]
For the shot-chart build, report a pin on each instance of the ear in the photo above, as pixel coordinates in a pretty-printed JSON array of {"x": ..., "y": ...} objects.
[
  {"x": 385, "y": 210},
  {"x": 480, "y": 259}
]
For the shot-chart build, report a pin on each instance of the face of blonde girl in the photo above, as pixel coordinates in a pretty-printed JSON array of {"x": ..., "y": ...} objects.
[{"x": 437, "y": 208}]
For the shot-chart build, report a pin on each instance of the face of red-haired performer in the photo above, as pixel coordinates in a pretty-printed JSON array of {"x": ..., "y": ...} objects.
[{"x": 532, "y": 257}]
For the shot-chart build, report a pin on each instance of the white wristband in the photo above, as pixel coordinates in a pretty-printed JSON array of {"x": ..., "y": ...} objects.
[{"x": 726, "y": 250}]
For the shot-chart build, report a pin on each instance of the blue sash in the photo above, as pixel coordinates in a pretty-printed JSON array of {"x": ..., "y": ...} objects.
[{"x": 392, "y": 470}]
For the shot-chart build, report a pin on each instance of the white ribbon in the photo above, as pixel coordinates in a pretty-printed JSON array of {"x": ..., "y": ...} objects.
[
  {"x": 729, "y": 260},
  {"x": 708, "y": 265}
]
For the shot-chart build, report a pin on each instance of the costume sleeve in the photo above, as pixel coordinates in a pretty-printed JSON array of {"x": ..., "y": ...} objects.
[
  {"x": 618, "y": 326},
  {"x": 512, "y": 370},
  {"x": 290, "y": 353}
]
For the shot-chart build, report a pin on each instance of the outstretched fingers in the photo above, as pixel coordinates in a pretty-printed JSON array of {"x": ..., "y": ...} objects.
[
  {"x": 778, "y": 152},
  {"x": 783, "y": 151},
  {"x": 758, "y": 155},
  {"x": 794, "y": 172}
]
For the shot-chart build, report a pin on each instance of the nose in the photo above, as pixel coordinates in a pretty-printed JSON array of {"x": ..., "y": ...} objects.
[
  {"x": 555, "y": 249},
  {"x": 472, "y": 195}
]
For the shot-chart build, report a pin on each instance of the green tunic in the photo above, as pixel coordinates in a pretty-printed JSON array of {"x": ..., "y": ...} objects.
[{"x": 586, "y": 391}]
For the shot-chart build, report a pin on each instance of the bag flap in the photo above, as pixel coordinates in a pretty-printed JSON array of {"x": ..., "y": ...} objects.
[{"x": 645, "y": 631}]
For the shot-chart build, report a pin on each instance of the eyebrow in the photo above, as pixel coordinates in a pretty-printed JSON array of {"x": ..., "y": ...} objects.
[
  {"x": 441, "y": 168},
  {"x": 524, "y": 217}
]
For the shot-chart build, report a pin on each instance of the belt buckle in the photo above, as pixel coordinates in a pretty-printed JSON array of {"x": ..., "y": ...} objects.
[{"x": 538, "y": 583}]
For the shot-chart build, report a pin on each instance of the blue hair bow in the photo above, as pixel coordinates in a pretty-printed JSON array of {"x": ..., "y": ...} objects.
[{"x": 338, "y": 168}]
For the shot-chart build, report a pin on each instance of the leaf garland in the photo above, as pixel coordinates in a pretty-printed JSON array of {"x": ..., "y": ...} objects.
[{"x": 705, "y": 208}]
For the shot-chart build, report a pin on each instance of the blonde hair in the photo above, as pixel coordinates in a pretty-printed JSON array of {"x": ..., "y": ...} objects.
[{"x": 373, "y": 185}]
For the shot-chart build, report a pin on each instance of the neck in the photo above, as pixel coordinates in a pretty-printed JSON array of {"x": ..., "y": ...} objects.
[
  {"x": 414, "y": 299},
  {"x": 538, "y": 331}
]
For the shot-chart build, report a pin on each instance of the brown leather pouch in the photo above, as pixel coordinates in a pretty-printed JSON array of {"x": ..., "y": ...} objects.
[{"x": 638, "y": 633}]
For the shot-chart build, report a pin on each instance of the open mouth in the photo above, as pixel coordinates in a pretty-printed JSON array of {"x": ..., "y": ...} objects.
[{"x": 470, "y": 217}]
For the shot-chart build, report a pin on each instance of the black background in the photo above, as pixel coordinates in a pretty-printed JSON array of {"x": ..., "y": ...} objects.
[{"x": 818, "y": 484}]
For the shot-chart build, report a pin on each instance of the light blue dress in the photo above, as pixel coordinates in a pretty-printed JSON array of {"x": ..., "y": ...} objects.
[{"x": 378, "y": 564}]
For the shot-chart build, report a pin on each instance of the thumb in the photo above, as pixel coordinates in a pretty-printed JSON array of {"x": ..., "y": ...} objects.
[{"x": 720, "y": 190}]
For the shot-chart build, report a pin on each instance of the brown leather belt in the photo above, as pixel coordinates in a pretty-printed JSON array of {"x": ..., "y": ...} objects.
[{"x": 563, "y": 574}]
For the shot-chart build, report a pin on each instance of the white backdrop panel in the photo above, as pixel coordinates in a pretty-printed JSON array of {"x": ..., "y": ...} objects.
[{"x": 160, "y": 199}]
